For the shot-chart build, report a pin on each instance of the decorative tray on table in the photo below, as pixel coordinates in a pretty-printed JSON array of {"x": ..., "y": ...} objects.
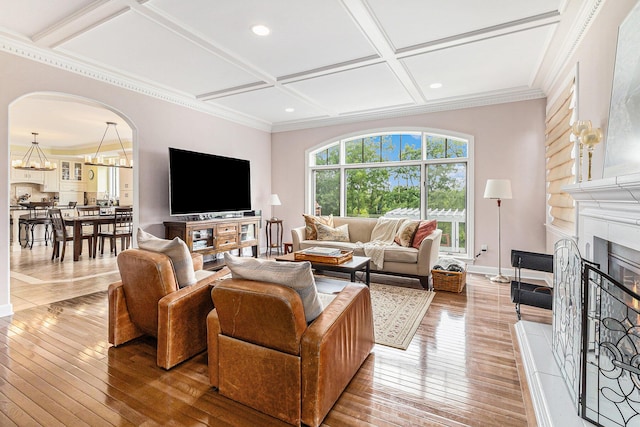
[{"x": 323, "y": 255}]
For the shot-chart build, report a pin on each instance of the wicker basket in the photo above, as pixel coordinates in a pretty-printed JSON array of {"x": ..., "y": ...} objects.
[{"x": 450, "y": 281}]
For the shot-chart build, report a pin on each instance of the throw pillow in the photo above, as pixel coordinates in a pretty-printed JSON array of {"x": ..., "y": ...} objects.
[
  {"x": 424, "y": 229},
  {"x": 296, "y": 275},
  {"x": 404, "y": 235},
  {"x": 310, "y": 222},
  {"x": 338, "y": 234},
  {"x": 175, "y": 249}
]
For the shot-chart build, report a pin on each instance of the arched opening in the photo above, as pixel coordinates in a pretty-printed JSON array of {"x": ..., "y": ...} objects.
[{"x": 69, "y": 129}]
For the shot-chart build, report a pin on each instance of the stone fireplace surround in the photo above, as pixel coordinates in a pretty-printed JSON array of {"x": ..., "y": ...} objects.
[{"x": 608, "y": 209}]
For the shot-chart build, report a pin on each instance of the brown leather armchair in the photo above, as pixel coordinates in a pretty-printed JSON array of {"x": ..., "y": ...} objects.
[
  {"x": 148, "y": 301},
  {"x": 263, "y": 354}
]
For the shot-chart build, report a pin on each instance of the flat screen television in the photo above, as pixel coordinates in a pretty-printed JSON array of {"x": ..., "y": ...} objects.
[{"x": 201, "y": 183}]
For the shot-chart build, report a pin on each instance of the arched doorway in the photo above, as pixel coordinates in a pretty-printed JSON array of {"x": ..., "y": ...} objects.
[{"x": 69, "y": 128}]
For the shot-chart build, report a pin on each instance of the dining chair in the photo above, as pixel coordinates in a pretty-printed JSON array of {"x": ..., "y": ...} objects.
[
  {"x": 89, "y": 230},
  {"x": 38, "y": 215},
  {"x": 121, "y": 228},
  {"x": 60, "y": 236}
]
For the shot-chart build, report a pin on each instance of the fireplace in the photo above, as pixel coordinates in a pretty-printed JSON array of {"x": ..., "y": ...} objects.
[
  {"x": 621, "y": 263},
  {"x": 608, "y": 233}
]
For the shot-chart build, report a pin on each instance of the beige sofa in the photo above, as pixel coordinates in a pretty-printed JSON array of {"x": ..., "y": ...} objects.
[{"x": 398, "y": 260}]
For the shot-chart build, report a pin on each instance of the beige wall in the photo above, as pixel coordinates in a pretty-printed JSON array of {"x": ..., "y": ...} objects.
[
  {"x": 594, "y": 60},
  {"x": 157, "y": 125},
  {"x": 509, "y": 143}
]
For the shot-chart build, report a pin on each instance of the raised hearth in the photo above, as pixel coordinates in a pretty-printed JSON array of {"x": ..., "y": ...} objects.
[{"x": 608, "y": 210}]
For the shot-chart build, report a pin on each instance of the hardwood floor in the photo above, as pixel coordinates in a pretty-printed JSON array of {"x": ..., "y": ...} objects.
[{"x": 57, "y": 367}]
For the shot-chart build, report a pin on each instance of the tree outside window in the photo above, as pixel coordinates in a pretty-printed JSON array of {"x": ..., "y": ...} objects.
[{"x": 383, "y": 175}]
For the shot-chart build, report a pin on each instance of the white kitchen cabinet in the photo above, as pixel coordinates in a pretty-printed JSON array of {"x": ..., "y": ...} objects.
[
  {"x": 126, "y": 187},
  {"x": 71, "y": 171},
  {"x": 25, "y": 175},
  {"x": 70, "y": 196},
  {"x": 51, "y": 182},
  {"x": 72, "y": 186}
]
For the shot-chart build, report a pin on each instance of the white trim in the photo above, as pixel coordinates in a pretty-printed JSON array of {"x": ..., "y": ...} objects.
[
  {"x": 469, "y": 161},
  {"x": 493, "y": 98},
  {"x": 34, "y": 53},
  {"x": 40, "y": 55},
  {"x": 586, "y": 16},
  {"x": 6, "y": 310}
]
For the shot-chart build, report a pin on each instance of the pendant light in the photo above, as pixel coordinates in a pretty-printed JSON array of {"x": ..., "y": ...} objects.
[
  {"x": 39, "y": 161},
  {"x": 98, "y": 160}
]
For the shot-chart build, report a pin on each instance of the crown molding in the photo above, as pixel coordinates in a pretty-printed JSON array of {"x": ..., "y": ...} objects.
[
  {"x": 47, "y": 57},
  {"x": 492, "y": 98},
  {"x": 53, "y": 59},
  {"x": 586, "y": 15}
]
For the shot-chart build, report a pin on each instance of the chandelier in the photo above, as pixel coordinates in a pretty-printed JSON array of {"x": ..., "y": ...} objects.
[
  {"x": 99, "y": 160},
  {"x": 39, "y": 161}
]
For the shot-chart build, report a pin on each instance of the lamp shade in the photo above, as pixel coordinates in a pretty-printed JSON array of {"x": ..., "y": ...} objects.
[
  {"x": 274, "y": 200},
  {"x": 498, "y": 189}
]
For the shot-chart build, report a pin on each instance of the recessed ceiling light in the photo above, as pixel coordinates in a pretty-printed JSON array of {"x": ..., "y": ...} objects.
[
  {"x": 435, "y": 85},
  {"x": 289, "y": 110},
  {"x": 260, "y": 30}
]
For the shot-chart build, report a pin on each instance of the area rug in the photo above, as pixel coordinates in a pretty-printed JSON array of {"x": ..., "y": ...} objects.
[{"x": 397, "y": 313}]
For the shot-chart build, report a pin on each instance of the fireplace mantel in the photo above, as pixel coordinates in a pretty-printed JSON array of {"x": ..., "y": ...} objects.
[
  {"x": 620, "y": 189},
  {"x": 607, "y": 208}
]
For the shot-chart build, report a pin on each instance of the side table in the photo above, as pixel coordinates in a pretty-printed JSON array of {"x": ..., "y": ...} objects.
[{"x": 269, "y": 229}]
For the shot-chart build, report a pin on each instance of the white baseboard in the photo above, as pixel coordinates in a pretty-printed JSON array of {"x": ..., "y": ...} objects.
[{"x": 6, "y": 310}]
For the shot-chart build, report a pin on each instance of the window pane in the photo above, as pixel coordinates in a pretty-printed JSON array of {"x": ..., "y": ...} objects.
[
  {"x": 328, "y": 156},
  {"x": 439, "y": 147},
  {"x": 364, "y": 150},
  {"x": 447, "y": 203},
  {"x": 410, "y": 147},
  {"x": 374, "y": 192},
  {"x": 354, "y": 151},
  {"x": 384, "y": 148},
  {"x": 327, "y": 191}
]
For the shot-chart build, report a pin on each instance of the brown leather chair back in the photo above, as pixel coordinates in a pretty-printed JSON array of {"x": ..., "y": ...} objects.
[
  {"x": 146, "y": 277},
  {"x": 265, "y": 314}
]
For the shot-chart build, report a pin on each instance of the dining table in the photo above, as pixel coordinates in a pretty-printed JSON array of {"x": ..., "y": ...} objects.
[{"x": 78, "y": 221}]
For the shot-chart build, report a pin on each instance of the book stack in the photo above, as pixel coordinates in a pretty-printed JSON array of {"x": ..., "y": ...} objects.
[{"x": 317, "y": 250}]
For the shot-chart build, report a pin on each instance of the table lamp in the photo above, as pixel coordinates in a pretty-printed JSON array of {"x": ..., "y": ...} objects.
[{"x": 274, "y": 200}]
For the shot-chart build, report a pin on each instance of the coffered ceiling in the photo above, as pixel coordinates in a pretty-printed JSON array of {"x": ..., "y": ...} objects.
[{"x": 324, "y": 61}]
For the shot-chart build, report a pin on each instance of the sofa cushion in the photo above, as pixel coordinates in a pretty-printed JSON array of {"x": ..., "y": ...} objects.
[
  {"x": 405, "y": 233},
  {"x": 396, "y": 253},
  {"x": 296, "y": 275},
  {"x": 359, "y": 228},
  {"x": 310, "y": 222},
  {"x": 175, "y": 249},
  {"x": 424, "y": 229},
  {"x": 338, "y": 234}
]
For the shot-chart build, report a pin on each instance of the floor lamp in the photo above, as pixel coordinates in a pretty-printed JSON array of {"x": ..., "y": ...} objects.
[{"x": 498, "y": 189}]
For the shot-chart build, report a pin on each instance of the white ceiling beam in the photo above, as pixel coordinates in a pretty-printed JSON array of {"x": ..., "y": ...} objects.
[
  {"x": 372, "y": 30},
  {"x": 83, "y": 20}
]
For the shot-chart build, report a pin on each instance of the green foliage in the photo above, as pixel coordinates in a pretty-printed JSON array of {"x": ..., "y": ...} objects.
[
  {"x": 373, "y": 191},
  {"x": 328, "y": 191}
]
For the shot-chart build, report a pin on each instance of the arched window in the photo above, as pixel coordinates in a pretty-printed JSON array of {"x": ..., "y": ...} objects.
[{"x": 421, "y": 174}]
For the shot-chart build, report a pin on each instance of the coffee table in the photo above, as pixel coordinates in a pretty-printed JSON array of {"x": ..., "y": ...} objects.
[{"x": 354, "y": 265}]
